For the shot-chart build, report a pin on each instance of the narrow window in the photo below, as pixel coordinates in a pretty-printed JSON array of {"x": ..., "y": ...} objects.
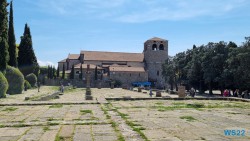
[
  {"x": 130, "y": 74},
  {"x": 158, "y": 73},
  {"x": 161, "y": 47},
  {"x": 154, "y": 47},
  {"x": 139, "y": 74}
]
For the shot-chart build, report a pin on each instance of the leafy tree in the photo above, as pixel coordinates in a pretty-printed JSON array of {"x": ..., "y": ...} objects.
[
  {"x": 195, "y": 72},
  {"x": 180, "y": 70},
  {"x": 63, "y": 73},
  {"x": 4, "y": 54},
  {"x": 12, "y": 40},
  {"x": 72, "y": 73},
  {"x": 27, "y": 61},
  {"x": 169, "y": 72}
]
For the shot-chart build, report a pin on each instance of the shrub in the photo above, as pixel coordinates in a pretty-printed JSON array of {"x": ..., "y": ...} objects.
[
  {"x": 27, "y": 84},
  {"x": 15, "y": 79},
  {"x": 3, "y": 85},
  {"x": 118, "y": 83},
  {"x": 31, "y": 78}
]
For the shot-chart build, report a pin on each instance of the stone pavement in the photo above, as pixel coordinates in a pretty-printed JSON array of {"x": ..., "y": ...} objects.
[{"x": 71, "y": 117}]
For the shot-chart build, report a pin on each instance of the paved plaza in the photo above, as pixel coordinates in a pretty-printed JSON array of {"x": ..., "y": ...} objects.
[{"x": 71, "y": 117}]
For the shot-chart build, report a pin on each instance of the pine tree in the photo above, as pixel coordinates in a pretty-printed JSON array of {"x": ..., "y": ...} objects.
[
  {"x": 72, "y": 72},
  {"x": 4, "y": 54},
  {"x": 27, "y": 61},
  {"x": 12, "y": 40},
  {"x": 57, "y": 72},
  {"x": 63, "y": 73}
]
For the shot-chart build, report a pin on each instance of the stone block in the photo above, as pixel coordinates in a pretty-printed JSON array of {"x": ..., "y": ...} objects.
[
  {"x": 181, "y": 92},
  {"x": 158, "y": 94}
]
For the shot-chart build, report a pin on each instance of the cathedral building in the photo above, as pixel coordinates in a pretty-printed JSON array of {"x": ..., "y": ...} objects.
[{"x": 120, "y": 66}]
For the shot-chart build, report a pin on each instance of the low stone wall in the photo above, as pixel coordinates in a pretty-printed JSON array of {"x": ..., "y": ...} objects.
[{"x": 75, "y": 82}]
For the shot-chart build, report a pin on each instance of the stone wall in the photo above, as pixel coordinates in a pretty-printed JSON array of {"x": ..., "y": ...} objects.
[
  {"x": 129, "y": 77},
  {"x": 60, "y": 65},
  {"x": 155, "y": 54}
]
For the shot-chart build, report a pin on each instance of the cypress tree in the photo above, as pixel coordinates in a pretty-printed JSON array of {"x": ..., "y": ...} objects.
[
  {"x": 54, "y": 71},
  {"x": 72, "y": 72},
  {"x": 4, "y": 54},
  {"x": 27, "y": 61},
  {"x": 57, "y": 72},
  {"x": 96, "y": 73},
  {"x": 12, "y": 40},
  {"x": 48, "y": 72},
  {"x": 63, "y": 73},
  {"x": 81, "y": 74}
]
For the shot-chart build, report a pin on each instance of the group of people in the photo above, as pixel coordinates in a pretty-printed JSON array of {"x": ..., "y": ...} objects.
[{"x": 236, "y": 93}]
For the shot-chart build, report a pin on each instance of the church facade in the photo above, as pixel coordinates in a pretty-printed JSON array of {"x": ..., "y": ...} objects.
[{"x": 120, "y": 66}]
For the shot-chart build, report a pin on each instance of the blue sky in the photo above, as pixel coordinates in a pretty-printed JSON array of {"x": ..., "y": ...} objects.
[{"x": 60, "y": 27}]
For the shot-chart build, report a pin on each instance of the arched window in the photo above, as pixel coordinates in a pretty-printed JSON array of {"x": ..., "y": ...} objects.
[
  {"x": 161, "y": 47},
  {"x": 154, "y": 47}
]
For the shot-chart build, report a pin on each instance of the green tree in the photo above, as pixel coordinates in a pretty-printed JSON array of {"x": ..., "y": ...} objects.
[
  {"x": 54, "y": 72},
  {"x": 195, "y": 72},
  {"x": 12, "y": 40},
  {"x": 81, "y": 73},
  {"x": 4, "y": 54},
  {"x": 63, "y": 72},
  {"x": 168, "y": 72},
  {"x": 57, "y": 72},
  {"x": 48, "y": 72},
  {"x": 27, "y": 61},
  {"x": 72, "y": 73},
  {"x": 96, "y": 73}
]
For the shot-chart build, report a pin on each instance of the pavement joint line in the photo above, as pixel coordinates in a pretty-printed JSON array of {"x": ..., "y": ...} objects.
[{"x": 125, "y": 99}]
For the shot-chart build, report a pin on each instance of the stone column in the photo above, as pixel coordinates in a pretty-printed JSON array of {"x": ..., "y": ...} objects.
[
  {"x": 181, "y": 91},
  {"x": 88, "y": 90}
]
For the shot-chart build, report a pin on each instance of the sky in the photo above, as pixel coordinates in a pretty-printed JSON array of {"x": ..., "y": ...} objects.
[{"x": 60, "y": 27}]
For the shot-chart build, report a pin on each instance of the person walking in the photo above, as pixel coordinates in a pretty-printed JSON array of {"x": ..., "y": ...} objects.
[
  {"x": 226, "y": 93},
  {"x": 192, "y": 92}
]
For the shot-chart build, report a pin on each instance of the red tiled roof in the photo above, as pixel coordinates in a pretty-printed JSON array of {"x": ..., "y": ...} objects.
[
  {"x": 73, "y": 56},
  {"x": 127, "y": 69},
  {"x": 112, "y": 56},
  {"x": 84, "y": 66},
  {"x": 62, "y": 61},
  {"x": 157, "y": 39}
]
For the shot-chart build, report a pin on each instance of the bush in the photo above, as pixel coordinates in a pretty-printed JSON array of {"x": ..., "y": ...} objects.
[
  {"x": 31, "y": 78},
  {"x": 27, "y": 84},
  {"x": 3, "y": 85},
  {"x": 15, "y": 79},
  {"x": 118, "y": 83}
]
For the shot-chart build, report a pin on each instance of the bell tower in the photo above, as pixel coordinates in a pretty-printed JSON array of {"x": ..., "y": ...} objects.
[{"x": 155, "y": 54}]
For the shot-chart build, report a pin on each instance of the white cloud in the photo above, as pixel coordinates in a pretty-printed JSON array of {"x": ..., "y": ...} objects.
[
  {"x": 182, "y": 10},
  {"x": 134, "y": 11},
  {"x": 46, "y": 63}
]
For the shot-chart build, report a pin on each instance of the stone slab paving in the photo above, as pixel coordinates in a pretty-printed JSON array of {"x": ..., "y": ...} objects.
[
  {"x": 77, "y": 119},
  {"x": 209, "y": 123}
]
